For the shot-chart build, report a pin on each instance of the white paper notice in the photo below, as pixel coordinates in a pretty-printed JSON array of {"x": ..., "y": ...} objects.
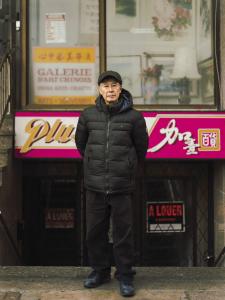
[{"x": 55, "y": 28}]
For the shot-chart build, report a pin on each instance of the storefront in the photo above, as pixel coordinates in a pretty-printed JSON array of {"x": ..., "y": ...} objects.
[
  {"x": 166, "y": 52},
  {"x": 172, "y": 201}
]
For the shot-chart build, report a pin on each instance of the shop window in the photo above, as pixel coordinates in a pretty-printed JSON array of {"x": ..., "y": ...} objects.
[
  {"x": 163, "y": 49},
  {"x": 64, "y": 51}
]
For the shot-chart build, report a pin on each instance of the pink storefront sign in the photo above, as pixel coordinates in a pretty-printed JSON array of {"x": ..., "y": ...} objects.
[
  {"x": 181, "y": 135},
  {"x": 172, "y": 135},
  {"x": 46, "y": 134}
]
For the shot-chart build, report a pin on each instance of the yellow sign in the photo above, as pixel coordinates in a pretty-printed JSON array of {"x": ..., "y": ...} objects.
[
  {"x": 209, "y": 139},
  {"x": 59, "y": 55},
  {"x": 64, "y": 75}
]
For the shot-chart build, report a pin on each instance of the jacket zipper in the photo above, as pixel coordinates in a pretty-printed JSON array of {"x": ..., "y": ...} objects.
[{"x": 107, "y": 155}]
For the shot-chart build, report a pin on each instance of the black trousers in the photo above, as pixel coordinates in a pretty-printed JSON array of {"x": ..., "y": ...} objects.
[{"x": 99, "y": 208}]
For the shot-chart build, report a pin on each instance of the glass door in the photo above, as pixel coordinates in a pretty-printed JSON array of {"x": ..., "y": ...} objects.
[{"x": 168, "y": 222}]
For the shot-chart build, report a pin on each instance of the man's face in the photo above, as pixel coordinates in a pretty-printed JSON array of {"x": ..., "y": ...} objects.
[{"x": 110, "y": 90}]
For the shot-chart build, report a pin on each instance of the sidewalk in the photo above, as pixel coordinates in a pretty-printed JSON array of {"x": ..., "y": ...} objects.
[{"x": 66, "y": 283}]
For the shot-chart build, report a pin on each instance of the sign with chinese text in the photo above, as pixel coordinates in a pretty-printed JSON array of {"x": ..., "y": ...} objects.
[
  {"x": 186, "y": 135},
  {"x": 179, "y": 135},
  {"x": 64, "y": 75},
  {"x": 89, "y": 17},
  {"x": 165, "y": 217}
]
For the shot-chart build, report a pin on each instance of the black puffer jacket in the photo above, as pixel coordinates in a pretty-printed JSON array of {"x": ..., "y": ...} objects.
[{"x": 112, "y": 139}]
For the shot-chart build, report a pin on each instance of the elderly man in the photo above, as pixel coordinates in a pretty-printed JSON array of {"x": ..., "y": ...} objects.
[{"x": 112, "y": 139}]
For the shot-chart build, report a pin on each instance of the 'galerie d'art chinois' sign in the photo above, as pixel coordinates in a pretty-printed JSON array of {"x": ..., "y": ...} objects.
[
  {"x": 172, "y": 135},
  {"x": 64, "y": 75}
]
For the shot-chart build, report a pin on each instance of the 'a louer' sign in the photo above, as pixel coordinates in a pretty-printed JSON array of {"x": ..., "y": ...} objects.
[{"x": 175, "y": 135}]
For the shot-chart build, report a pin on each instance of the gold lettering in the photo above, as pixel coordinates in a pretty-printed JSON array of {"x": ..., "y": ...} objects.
[
  {"x": 50, "y": 136},
  {"x": 66, "y": 135},
  {"x": 37, "y": 129}
]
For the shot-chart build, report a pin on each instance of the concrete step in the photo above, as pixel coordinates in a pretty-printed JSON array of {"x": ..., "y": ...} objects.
[
  {"x": 140, "y": 295},
  {"x": 66, "y": 283},
  {"x": 10, "y": 296}
]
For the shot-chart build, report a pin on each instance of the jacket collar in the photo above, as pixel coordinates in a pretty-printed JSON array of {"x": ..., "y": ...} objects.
[{"x": 124, "y": 103}]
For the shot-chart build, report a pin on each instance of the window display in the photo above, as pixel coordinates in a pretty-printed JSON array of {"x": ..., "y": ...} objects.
[
  {"x": 63, "y": 52},
  {"x": 168, "y": 36}
]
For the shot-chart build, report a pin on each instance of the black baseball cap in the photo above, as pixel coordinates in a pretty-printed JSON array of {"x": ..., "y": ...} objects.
[{"x": 109, "y": 74}]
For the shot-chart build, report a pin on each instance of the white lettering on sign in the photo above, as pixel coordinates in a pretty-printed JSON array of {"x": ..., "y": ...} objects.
[
  {"x": 209, "y": 139},
  {"x": 172, "y": 134}
]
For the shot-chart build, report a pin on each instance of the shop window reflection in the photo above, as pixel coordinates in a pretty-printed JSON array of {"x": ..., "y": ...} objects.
[
  {"x": 154, "y": 31},
  {"x": 64, "y": 52}
]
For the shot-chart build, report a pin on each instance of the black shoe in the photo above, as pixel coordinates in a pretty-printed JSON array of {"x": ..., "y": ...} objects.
[
  {"x": 96, "y": 279},
  {"x": 127, "y": 288}
]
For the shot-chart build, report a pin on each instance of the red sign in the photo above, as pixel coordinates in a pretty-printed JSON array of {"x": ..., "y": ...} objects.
[
  {"x": 59, "y": 218},
  {"x": 165, "y": 217}
]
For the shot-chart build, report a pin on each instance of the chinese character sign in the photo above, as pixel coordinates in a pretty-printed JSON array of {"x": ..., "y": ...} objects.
[
  {"x": 185, "y": 135},
  {"x": 171, "y": 135},
  {"x": 89, "y": 17},
  {"x": 209, "y": 139},
  {"x": 64, "y": 75}
]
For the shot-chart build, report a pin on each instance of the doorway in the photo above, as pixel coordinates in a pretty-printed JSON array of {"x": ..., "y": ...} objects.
[
  {"x": 52, "y": 214},
  {"x": 175, "y": 217},
  {"x": 168, "y": 239}
]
